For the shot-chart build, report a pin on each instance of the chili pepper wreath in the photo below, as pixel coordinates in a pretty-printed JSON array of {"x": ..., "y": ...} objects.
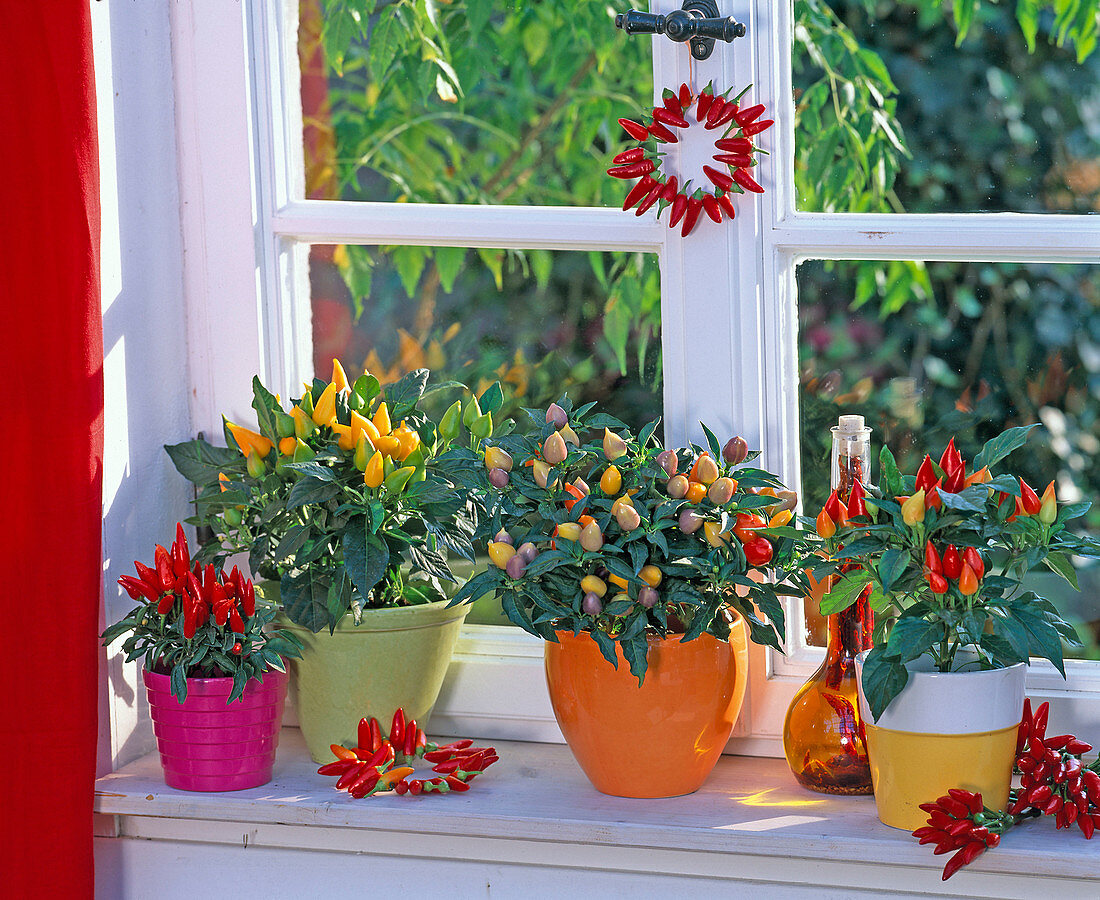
[
  {"x": 734, "y": 127},
  {"x": 380, "y": 762}
]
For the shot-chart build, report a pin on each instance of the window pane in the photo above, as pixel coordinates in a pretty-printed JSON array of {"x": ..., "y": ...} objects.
[
  {"x": 467, "y": 101},
  {"x": 894, "y": 117},
  {"x": 541, "y": 322},
  {"x": 963, "y": 349}
]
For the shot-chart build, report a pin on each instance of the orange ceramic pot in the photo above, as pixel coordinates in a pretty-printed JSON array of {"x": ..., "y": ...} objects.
[{"x": 660, "y": 739}]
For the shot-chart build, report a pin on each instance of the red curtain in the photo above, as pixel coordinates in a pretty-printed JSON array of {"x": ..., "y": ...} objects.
[{"x": 52, "y": 388}]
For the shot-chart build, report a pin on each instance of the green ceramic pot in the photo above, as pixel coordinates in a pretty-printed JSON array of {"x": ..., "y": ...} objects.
[{"x": 395, "y": 657}]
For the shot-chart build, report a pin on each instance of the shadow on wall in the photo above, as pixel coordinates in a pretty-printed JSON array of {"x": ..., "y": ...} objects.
[{"x": 145, "y": 349}]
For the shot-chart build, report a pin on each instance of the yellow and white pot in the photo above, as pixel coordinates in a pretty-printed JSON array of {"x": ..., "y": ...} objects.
[{"x": 944, "y": 730}]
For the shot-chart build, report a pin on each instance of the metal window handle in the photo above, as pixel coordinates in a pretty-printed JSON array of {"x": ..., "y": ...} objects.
[{"x": 698, "y": 22}]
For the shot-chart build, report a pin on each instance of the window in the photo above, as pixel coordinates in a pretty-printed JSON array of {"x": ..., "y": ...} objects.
[{"x": 730, "y": 297}]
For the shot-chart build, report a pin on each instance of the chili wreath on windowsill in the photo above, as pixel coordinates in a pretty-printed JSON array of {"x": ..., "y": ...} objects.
[{"x": 735, "y": 130}]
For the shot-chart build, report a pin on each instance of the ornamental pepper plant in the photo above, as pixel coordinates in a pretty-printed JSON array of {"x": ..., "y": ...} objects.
[
  {"x": 596, "y": 530},
  {"x": 196, "y": 621},
  {"x": 945, "y": 552},
  {"x": 339, "y": 497}
]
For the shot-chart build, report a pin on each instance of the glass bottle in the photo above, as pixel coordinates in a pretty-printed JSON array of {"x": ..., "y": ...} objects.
[{"x": 823, "y": 737}]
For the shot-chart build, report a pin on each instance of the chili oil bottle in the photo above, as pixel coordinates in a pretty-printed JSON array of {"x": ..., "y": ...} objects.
[{"x": 823, "y": 737}]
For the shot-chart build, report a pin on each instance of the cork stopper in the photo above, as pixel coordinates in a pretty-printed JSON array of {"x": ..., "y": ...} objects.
[{"x": 850, "y": 424}]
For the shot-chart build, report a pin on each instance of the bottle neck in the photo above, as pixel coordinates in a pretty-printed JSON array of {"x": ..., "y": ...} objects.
[{"x": 850, "y": 631}]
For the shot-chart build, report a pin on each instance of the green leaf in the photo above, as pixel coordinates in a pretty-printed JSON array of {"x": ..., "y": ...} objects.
[
  {"x": 200, "y": 462},
  {"x": 365, "y": 556},
  {"x": 385, "y": 39},
  {"x": 712, "y": 442},
  {"x": 1003, "y": 444},
  {"x": 305, "y": 600},
  {"x": 607, "y": 647},
  {"x": 911, "y": 637},
  {"x": 1057, "y": 562},
  {"x": 409, "y": 260},
  {"x": 888, "y": 471},
  {"x": 883, "y": 679},
  {"x": 339, "y": 596},
  {"x": 449, "y": 262},
  {"x": 179, "y": 683},
  {"x": 492, "y": 399},
  {"x": 892, "y": 566},
  {"x": 311, "y": 490},
  {"x": 292, "y": 541},
  {"x": 265, "y": 404},
  {"x": 843, "y": 594},
  {"x": 403, "y": 395},
  {"x": 1043, "y": 638}
]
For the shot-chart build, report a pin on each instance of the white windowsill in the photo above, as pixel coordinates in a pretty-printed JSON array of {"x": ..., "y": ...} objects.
[{"x": 750, "y": 821}]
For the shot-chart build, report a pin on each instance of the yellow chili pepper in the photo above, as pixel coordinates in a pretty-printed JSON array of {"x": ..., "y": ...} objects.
[
  {"x": 345, "y": 439},
  {"x": 363, "y": 453},
  {"x": 912, "y": 510},
  {"x": 651, "y": 575},
  {"x": 381, "y": 419},
  {"x": 360, "y": 424},
  {"x": 287, "y": 446},
  {"x": 715, "y": 537},
  {"x": 397, "y": 479},
  {"x": 617, "y": 581},
  {"x": 611, "y": 481},
  {"x": 373, "y": 473},
  {"x": 500, "y": 552},
  {"x": 303, "y": 423},
  {"x": 592, "y": 584},
  {"x": 408, "y": 440},
  {"x": 223, "y": 481},
  {"x": 388, "y": 444},
  {"x": 826, "y": 527},
  {"x": 497, "y": 458},
  {"x": 393, "y": 776},
  {"x": 571, "y": 531},
  {"x": 781, "y": 518},
  {"x": 324, "y": 411},
  {"x": 249, "y": 440},
  {"x": 1048, "y": 512},
  {"x": 338, "y": 377}
]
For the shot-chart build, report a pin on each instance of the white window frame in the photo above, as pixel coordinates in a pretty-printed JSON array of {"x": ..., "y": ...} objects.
[{"x": 727, "y": 294}]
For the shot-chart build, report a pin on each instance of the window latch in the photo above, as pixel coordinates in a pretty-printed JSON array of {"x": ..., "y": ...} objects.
[{"x": 697, "y": 21}]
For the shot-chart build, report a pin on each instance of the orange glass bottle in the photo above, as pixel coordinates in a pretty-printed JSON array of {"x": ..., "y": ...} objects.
[{"x": 823, "y": 737}]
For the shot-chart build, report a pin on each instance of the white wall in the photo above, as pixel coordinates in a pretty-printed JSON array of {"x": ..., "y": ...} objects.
[{"x": 145, "y": 365}]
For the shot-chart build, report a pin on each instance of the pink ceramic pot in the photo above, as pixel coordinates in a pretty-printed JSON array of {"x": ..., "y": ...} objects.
[{"x": 207, "y": 745}]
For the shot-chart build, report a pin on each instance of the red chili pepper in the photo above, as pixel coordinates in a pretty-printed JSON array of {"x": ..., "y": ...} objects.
[
  {"x": 661, "y": 133},
  {"x": 856, "y": 504},
  {"x": 634, "y": 154},
  {"x": 649, "y": 199},
  {"x": 397, "y": 728},
  {"x": 956, "y": 480},
  {"x": 633, "y": 170},
  {"x": 716, "y": 109},
  {"x": 375, "y": 734},
  {"x": 684, "y": 96},
  {"x": 691, "y": 217},
  {"x": 645, "y": 183},
  {"x": 937, "y": 582},
  {"x": 339, "y": 767},
  {"x": 743, "y": 178},
  {"x": 671, "y": 101},
  {"x": 757, "y": 127},
  {"x": 966, "y": 855},
  {"x": 164, "y": 569},
  {"x": 456, "y": 784},
  {"x": 952, "y": 562},
  {"x": 1029, "y": 499},
  {"x": 926, "y": 475},
  {"x": 727, "y": 204},
  {"x": 932, "y": 561},
  {"x": 705, "y": 100},
  {"x": 711, "y": 207},
  {"x": 679, "y": 207},
  {"x": 367, "y": 779},
  {"x": 670, "y": 190},
  {"x": 351, "y": 775},
  {"x": 635, "y": 129},
  {"x": 734, "y": 145},
  {"x": 972, "y": 800},
  {"x": 737, "y": 160},
  {"x": 728, "y": 113},
  {"x": 441, "y": 755},
  {"x": 745, "y": 116},
  {"x": 668, "y": 117},
  {"x": 410, "y": 738},
  {"x": 974, "y": 559},
  {"x": 458, "y": 745},
  {"x": 363, "y": 735},
  {"x": 951, "y": 459},
  {"x": 446, "y": 768},
  {"x": 720, "y": 179},
  {"x": 136, "y": 588}
]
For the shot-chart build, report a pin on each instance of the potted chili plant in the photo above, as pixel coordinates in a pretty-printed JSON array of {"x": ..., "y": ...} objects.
[
  {"x": 945, "y": 552},
  {"x": 214, "y": 670},
  {"x": 344, "y": 512},
  {"x": 643, "y": 569}
]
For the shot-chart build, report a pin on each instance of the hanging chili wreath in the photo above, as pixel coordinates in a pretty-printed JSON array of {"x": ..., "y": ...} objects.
[
  {"x": 380, "y": 762},
  {"x": 737, "y": 153}
]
